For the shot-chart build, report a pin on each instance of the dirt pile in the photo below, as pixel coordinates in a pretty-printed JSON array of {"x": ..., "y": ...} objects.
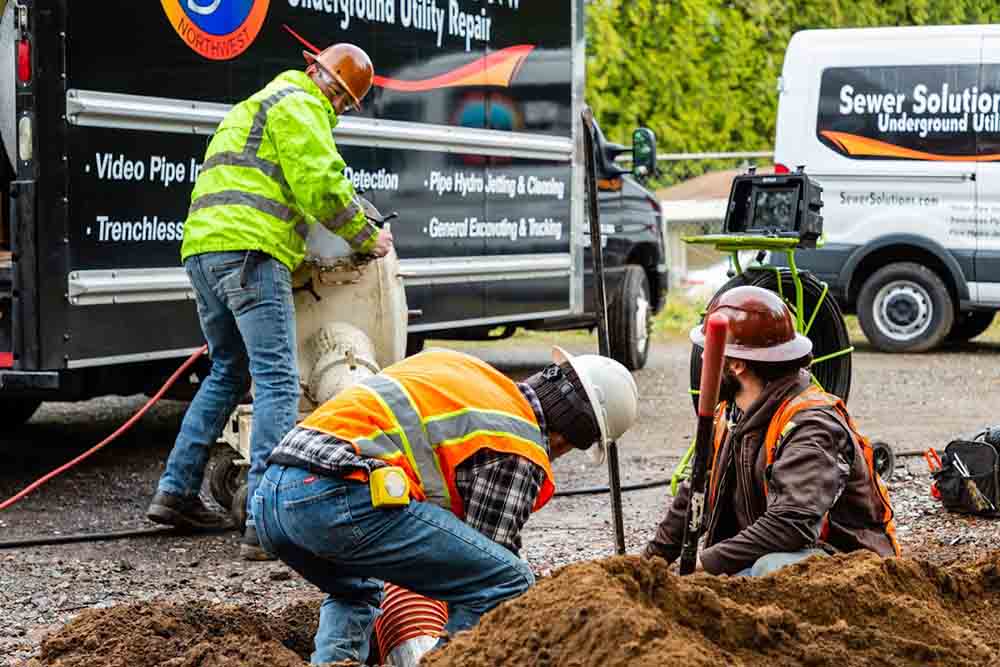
[
  {"x": 183, "y": 635},
  {"x": 846, "y": 610},
  {"x": 842, "y": 611}
]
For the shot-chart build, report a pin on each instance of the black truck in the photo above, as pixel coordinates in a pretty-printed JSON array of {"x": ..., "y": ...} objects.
[{"x": 471, "y": 133}]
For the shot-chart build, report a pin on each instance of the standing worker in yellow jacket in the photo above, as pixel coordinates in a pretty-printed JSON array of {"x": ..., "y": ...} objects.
[
  {"x": 423, "y": 476},
  {"x": 270, "y": 171}
]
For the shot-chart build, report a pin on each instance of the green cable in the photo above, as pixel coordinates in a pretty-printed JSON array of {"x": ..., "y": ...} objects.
[
  {"x": 682, "y": 469},
  {"x": 799, "y": 295},
  {"x": 833, "y": 355},
  {"x": 822, "y": 298}
]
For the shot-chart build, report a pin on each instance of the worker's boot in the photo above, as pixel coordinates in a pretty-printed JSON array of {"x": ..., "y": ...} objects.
[
  {"x": 250, "y": 548},
  {"x": 181, "y": 512}
]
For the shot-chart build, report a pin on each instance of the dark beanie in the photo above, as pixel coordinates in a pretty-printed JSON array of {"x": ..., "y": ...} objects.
[{"x": 565, "y": 405}]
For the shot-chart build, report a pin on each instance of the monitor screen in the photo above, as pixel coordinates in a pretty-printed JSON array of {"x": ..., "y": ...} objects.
[{"x": 774, "y": 209}]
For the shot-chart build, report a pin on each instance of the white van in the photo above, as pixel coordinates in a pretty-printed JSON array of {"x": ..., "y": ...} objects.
[{"x": 901, "y": 127}]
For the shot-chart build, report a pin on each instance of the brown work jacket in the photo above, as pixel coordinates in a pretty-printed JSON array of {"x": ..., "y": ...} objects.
[{"x": 818, "y": 470}]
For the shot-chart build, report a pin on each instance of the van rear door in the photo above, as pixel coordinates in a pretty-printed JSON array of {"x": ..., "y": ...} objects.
[{"x": 986, "y": 288}]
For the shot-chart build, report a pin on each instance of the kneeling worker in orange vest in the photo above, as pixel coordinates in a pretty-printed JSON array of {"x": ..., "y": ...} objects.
[
  {"x": 423, "y": 476},
  {"x": 791, "y": 476}
]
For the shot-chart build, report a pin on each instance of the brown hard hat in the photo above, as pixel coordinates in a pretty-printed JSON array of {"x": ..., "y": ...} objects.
[
  {"x": 349, "y": 66},
  {"x": 761, "y": 326}
]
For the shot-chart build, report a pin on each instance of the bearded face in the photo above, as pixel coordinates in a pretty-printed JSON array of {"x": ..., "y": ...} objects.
[{"x": 729, "y": 386}]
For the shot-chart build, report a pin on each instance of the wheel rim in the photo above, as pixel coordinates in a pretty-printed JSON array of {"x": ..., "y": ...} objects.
[
  {"x": 903, "y": 310},
  {"x": 882, "y": 460},
  {"x": 641, "y": 323}
]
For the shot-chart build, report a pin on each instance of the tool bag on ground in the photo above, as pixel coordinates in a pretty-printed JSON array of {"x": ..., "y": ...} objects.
[{"x": 968, "y": 479}]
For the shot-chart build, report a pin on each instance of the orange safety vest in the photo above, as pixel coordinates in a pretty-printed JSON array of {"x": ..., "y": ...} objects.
[
  {"x": 430, "y": 412},
  {"x": 782, "y": 423}
]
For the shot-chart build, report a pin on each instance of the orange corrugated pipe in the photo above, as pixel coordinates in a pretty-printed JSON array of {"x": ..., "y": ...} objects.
[{"x": 406, "y": 615}]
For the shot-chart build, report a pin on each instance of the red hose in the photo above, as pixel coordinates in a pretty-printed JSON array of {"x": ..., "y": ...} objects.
[
  {"x": 406, "y": 615},
  {"x": 121, "y": 429}
]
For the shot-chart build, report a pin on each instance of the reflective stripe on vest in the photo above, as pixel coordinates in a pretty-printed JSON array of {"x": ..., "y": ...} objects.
[
  {"x": 414, "y": 442},
  {"x": 240, "y": 198},
  {"x": 343, "y": 218},
  {"x": 454, "y": 428},
  {"x": 720, "y": 429}
]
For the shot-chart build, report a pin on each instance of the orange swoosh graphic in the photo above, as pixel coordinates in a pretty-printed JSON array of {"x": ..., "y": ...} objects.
[
  {"x": 497, "y": 69},
  {"x": 852, "y": 144}
]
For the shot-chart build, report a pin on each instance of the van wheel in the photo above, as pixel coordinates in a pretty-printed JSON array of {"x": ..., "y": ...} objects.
[
  {"x": 16, "y": 411},
  {"x": 970, "y": 324},
  {"x": 905, "y": 307},
  {"x": 630, "y": 317}
]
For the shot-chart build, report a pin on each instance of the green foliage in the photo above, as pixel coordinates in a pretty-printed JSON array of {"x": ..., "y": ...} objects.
[
  {"x": 702, "y": 73},
  {"x": 678, "y": 317}
]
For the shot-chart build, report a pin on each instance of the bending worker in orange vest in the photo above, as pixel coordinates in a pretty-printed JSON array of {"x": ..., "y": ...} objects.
[
  {"x": 791, "y": 476},
  {"x": 423, "y": 476}
]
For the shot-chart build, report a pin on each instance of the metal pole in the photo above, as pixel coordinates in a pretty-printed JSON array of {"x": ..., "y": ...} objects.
[{"x": 601, "y": 303}]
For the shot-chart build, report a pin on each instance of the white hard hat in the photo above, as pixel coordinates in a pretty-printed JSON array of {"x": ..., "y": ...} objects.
[{"x": 611, "y": 391}]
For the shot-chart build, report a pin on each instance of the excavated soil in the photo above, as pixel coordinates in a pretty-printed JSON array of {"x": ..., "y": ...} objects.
[
  {"x": 844, "y": 611},
  {"x": 182, "y": 635}
]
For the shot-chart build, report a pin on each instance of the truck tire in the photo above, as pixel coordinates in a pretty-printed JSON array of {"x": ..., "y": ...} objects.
[
  {"x": 905, "y": 307},
  {"x": 970, "y": 324},
  {"x": 16, "y": 411},
  {"x": 414, "y": 344},
  {"x": 630, "y": 319}
]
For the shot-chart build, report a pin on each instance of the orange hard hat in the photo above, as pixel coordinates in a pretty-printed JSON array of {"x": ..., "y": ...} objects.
[
  {"x": 761, "y": 326},
  {"x": 349, "y": 66}
]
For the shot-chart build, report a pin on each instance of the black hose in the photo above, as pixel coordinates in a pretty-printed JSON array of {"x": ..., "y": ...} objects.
[
  {"x": 597, "y": 490},
  {"x": 45, "y": 540},
  {"x": 828, "y": 332}
]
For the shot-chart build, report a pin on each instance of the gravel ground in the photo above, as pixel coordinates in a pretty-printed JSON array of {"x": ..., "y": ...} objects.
[{"x": 910, "y": 401}]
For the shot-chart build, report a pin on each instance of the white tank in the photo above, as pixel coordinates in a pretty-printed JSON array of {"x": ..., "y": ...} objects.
[{"x": 350, "y": 316}]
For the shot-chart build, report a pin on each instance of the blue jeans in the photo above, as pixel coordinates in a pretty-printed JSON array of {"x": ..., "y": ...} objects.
[
  {"x": 326, "y": 529},
  {"x": 775, "y": 561},
  {"x": 250, "y": 331}
]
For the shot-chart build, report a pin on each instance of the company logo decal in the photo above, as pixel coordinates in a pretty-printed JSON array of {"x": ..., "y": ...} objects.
[
  {"x": 217, "y": 29},
  {"x": 497, "y": 69},
  {"x": 857, "y": 146}
]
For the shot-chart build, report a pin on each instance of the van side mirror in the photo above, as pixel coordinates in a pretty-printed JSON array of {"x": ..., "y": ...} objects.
[{"x": 643, "y": 153}]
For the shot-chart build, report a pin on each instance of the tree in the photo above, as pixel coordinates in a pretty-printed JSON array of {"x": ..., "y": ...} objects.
[{"x": 702, "y": 73}]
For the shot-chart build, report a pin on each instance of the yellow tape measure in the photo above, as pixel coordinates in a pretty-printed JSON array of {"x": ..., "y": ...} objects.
[{"x": 390, "y": 487}]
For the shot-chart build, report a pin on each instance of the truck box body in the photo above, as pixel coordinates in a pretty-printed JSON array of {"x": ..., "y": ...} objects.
[
  {"x": 901, "y": 126},
  {"x": 470, "y": 133}
]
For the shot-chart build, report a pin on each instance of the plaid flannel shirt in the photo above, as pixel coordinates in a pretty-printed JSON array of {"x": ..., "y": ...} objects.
[{"x": 498, "y": 490}]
